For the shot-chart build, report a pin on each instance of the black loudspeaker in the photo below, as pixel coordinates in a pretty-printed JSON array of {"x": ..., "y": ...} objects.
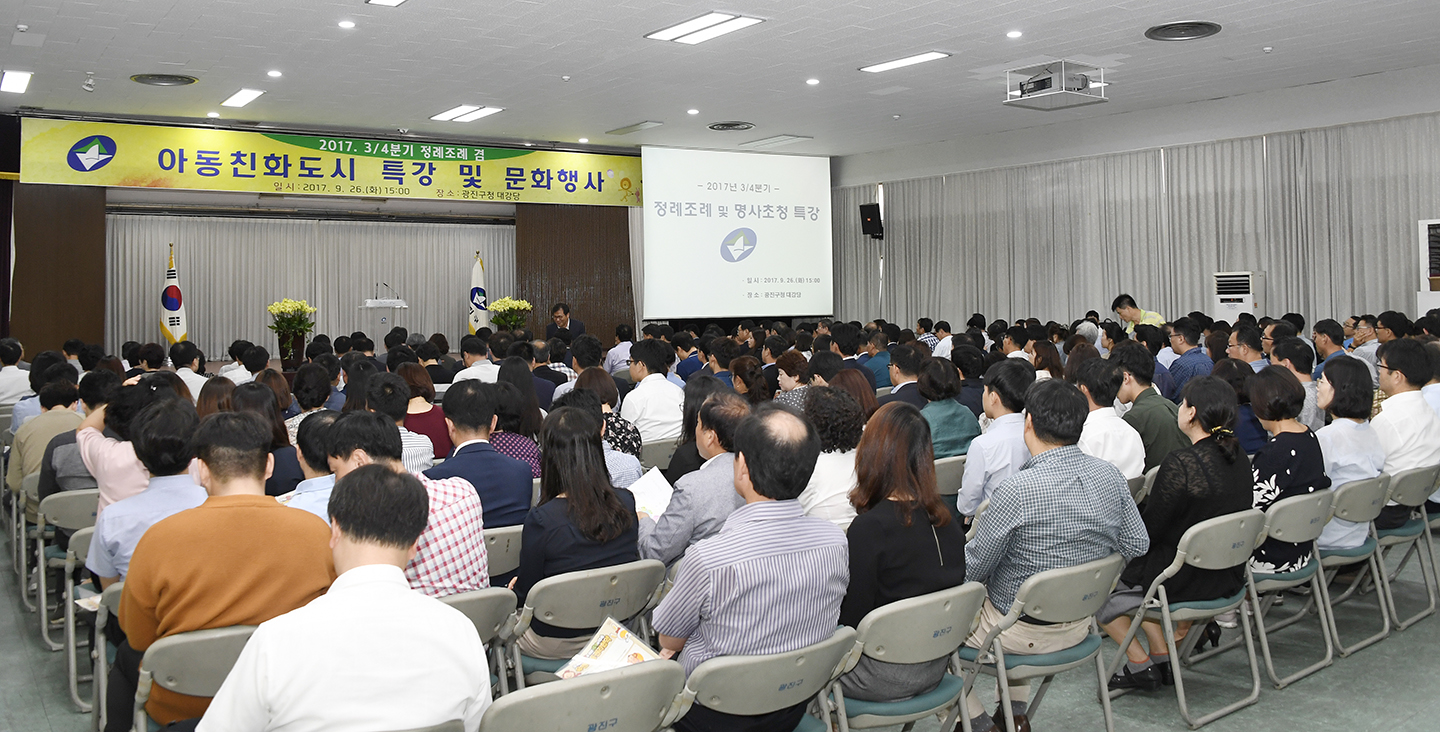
[{"x": 870, "y": 220}]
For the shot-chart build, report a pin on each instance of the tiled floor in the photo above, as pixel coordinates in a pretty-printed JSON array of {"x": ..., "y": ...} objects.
[{"x": 1385, "y": 687}]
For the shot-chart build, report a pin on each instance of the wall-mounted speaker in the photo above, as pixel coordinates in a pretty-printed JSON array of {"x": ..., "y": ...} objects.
[{"x": 870, "y": 222}]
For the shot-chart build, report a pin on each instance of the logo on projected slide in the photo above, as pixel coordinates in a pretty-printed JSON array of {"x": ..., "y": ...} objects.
[
  {"x": 737, "y": 245},
  {"x": 91, "y": 153},
  {"x": 477, "y": 298}
]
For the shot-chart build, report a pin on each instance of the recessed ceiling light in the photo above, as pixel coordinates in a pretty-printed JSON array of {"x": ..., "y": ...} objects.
[
  {"x": 689, "y": 26},
  {"x": 907, "y": 61},
  {"x": 163, "y": 79},
  {"x": 715, "y": 31},
  {"x": 273, "y": 74},
  {"x": 386, "y": 3},
  {"x": 1014, "y": 34},
  {"x": 584, "y": 139},
  {"x": 692, "y": 111},
  {"x": 212, "y": 115},
  {"x": 894, "y": 116},
  {"x": 812, "y": 82},
  {"x": 1185, "y": 30},
  {"x": 15, "y": 82},
  {"x": 477, "y": 114},
  {"x": 450, "y": 114},
  {"x": 347, "y": 24},
  {"x": 242, "y": 98}
]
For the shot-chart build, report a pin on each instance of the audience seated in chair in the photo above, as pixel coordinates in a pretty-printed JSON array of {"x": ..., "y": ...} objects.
[
  {"x": 655, "y": 405},
  {"x": 1289, "y": 464},
  {"x": 451, "y": 557},
  {"x": 768, "y": 561},
  {"x": 581, "y": 523},
  {"x": 61, "y": 467},
  {"x": 1002, "y": 450},
  {"x": 902, "y": 544},
  {"x": 1208, "y": 479},
  {"x": 240, "y": 558},
  {"x": 1153, "y": 416},
  {"x": 260, "y": 400},
  {"x": 503, "y": 483},
  {"x": 952, "y": 425},
  {"x": 1350, "y": 445},
  {"x": 1408, "y": 428},
  {"x": 905, "y": 364},
  {"x": 388, "y": 395},
  {"x": 1065, "y": 508},
  {"x": 421, "y": 661},
  {"x": 624, "y": 468},
  {"x": 313, "y": 493},
  {"x": 840, "y": 423},
  {"x": 1106, "y": 435}
]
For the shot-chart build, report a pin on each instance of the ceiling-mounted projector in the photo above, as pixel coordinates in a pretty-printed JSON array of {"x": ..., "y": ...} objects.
[{"x": 1054, "y": 81}]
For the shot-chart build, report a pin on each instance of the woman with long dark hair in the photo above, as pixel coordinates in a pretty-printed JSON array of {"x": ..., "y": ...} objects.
[
  {"x": 620, "y": 433},
  {"x": 422, "y": 415},
  {"x": 1351, "y": 448},
  {"x": 516, "y": 372},
  {"x": 749, "y": 380},
  {"x": 851, "y": 382},
  {"x": 214, "y": 397},
  {"x": 357, "y": 378},
  {"x": 686, "y": 459},
  {"x": 1208, "y": 479},
  {"x": 902, "y": 543},
  {"x": 581, "y": 523},
  {"x": 260, "y": 399},
  {"x": 1048, "y": 364},
  {"x": 507, "y": 438},
  {"x": 281, "y": 389}
]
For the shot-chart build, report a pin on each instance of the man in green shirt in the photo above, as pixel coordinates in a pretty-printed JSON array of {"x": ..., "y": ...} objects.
[{"x": 1152, "y": 415}]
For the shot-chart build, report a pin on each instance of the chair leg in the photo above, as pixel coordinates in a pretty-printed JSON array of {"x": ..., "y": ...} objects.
[
  {"x": 42, "y": 600},
  {"x": 25, "y": 570},
  {"x": 1261, "y": 630},
  {"x": 72, "y": 660},
  {"x": 1426, "y": 573},
  {"x": 1104, "y": 685},
  {"x": 1333, "y": 630},
  {"x": 519, "y": 667},
  {"x": 1195, "y": 723},
  {"x": 1002, "y": 680}
]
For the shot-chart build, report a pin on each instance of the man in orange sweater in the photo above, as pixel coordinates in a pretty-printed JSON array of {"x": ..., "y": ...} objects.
[{"x": 240, "y": 558}]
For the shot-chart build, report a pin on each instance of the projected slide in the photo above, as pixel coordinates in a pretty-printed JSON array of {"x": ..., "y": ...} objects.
[{"x": 735, "y": 234}]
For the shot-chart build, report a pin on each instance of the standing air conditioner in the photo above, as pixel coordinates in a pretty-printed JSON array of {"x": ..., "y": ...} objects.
[{"x": 1237, "y": 292}]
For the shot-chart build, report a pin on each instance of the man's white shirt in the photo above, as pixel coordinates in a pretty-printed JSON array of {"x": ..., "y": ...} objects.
[
  {"x": 943, "y": 348},
  {"x": 369, "y": 654},
  {"x": 193, "y": 381},
  {"x": 483, "y": 370},
  {"x": 14, "y": 385},
  {"x": 656, "y": 408},
  {"x": 1112, "y": 439}
]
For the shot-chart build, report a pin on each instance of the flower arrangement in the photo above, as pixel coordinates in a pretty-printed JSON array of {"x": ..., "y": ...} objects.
[
  {"x": 509, "y": 313},
  {"x": 291, "y": 317}
]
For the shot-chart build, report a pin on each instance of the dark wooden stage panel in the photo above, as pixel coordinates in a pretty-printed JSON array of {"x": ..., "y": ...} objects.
[{"x": 574, "y": 254}]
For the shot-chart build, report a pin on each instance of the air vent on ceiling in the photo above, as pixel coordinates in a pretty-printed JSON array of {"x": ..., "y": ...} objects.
[
  {"x": 732, "y": 126},
  {"x": 163, "y": 79},
  {"x": 1185, "y": 30}
]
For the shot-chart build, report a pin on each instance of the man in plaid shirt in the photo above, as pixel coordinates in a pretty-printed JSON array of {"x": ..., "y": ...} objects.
[
  {"x": 1062, "y": 509},
  {"x": 451, "y": 553}
]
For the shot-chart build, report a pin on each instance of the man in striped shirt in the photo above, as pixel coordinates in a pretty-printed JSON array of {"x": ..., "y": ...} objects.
[{"x": 771, "y": 581}]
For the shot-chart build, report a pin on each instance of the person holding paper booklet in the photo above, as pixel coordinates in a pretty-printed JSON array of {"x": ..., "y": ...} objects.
[
  {"x": 704, "y": 499},
  {"x": 581, "y": 523}
]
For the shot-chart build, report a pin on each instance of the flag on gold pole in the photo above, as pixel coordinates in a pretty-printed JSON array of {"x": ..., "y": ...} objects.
[
  {"x": 172, "y": 313},
  {"x": 479, "y": 302}
]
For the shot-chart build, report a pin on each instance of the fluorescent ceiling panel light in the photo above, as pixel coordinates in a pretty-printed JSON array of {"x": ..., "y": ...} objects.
[
  {"x": 242, "y": 98},
  {"x": 450, "y": 114},
  {"x": 647, "y": 124},
  {"x": 477, "y": 114},
  {"x": 386, "y": 3},
  {"x": 15, "y": 82},
  {"x": 714, "y": 31},
  {"x": 689, "y": 26},
  {"x": 212, "y": 115},
  {"x": 1014, "y": 34},
  {"x": 776, "y": 141},
  {"x": 347, "y": 24},
  {"x": 903, "y": 62},
  {"x": 584, "y": 139},
  {"x": 274, "y": 74}
]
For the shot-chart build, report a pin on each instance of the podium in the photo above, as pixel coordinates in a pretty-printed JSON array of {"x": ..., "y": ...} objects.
[{"x": 377, "y": 315}]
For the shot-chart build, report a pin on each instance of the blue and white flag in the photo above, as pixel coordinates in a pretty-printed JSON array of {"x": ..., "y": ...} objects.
[
  {"x": 479, "y": 302},
  {"x": 172, "y": 305}
]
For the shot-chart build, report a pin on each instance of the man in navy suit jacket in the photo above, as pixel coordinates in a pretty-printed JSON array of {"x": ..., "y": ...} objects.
[
  {"x": 563, "y": 326},
  {"x": 904, "y": 369},
  {"x": 845, "y": 339},
  {"x": 504, "y": 483}
]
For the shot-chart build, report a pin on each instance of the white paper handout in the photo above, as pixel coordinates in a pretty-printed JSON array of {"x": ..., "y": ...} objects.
[
  {"x": 612, "y": 647},
  {"x": 652, "y": 493}
]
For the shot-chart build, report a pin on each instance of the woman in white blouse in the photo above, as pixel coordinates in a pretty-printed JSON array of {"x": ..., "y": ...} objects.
[
  {"x": 840, "y": 420},
  {"x": 1352, "y": 449}
]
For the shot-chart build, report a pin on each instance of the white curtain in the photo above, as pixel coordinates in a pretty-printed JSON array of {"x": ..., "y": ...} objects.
[
  {"x": 1328, "y": 216},
  {"x": 231, "y": 268}
]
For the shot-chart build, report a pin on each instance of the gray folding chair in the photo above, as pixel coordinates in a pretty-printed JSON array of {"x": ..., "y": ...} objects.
[
  {"x": 453, "y": 725},
  {"x": 102, "y": 654},
  {"x": 751, "y": 685},
  {"x": 194, "y": 663},
  {"x": 27, "y": 501},
  {"x": 657, "y": 454},
  {"x": 1360, "y": 502},
  {"x": 535, "y": 492},
  {"x": 1222, "y": 542},
  {"x": 1410, "y": 488},
  {"x": 1054, "y": 596},
  {"x": 502, "y": 549},
  {"x": 883, "y": 391},
  {"x": 69, "y": 511},
  {"x": 580, "y": 600},
  {"x": 1140, "y": 486},
  {"x": 949, "y": 474},
  {"x": 636, "y": 698},
  {"x": 1298, "y": 520},
  {"x": 915, "y": 630},
  {"x": 975, "y": 521},
  {"x": 74, "y": 559},
  {"x": 490, "y": 609}
]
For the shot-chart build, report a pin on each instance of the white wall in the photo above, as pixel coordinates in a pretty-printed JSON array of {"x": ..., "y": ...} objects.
[{"x": 1373, "y": 97}]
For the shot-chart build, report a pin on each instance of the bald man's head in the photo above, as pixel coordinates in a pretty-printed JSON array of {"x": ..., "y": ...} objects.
[{"x": 780, "y": 448}]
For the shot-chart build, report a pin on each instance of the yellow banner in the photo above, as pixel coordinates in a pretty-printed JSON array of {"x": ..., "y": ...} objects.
[{"x": 146, "y": 156}]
